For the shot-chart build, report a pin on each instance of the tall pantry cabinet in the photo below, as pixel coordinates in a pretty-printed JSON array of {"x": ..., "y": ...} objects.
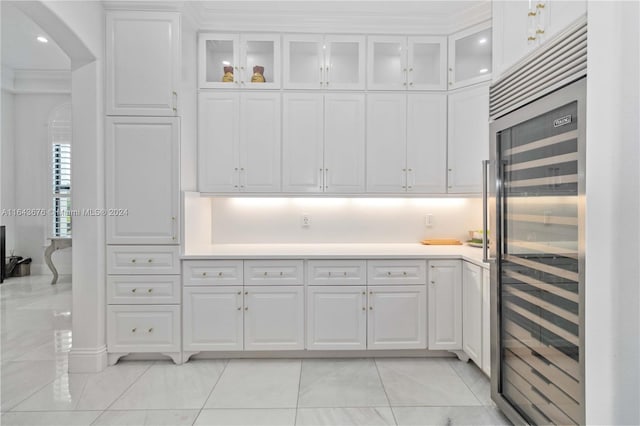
[{"x": 142, "y": 132}]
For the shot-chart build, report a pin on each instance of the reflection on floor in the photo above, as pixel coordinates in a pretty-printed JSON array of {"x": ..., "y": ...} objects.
[{"x": 37, "y": 390}]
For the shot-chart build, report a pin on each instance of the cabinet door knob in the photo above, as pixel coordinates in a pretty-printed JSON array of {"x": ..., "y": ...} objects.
[
  {"x": 433, "y": 282},
  {"x": 246, "y": 308},
  {"x": 150, "y": 260},
  {"x": 265, "y": 273},
  {"x": 133, "y": 261},
  {"x": 149, "y": 290},
  {"x": 239, "y": 308},
  {"x": 133, "y": 330},
  {"x": 404, "y": 273},
  {"x": 371, "y": 308},
  {"x": 219, "y": 274},
  {"x": 239, "y": 293},
  {"x": 281, "y": 273},
  {"x": 411, "y": 83},
  {"x": 364, "y": 309},
  {"x": 389, "y": 273},
  {"x": 133, "y": 291},
  {"x": 345, "y": 273},
  {"x": 246, "y": 292},
  {"x": 204, "y": 274},
  {"x": 150, "y": 330},
  {"x": 364, "y": 292}
]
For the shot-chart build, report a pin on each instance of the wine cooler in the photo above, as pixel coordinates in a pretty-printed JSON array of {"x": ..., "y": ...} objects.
[{"x": 536, "y": 199}]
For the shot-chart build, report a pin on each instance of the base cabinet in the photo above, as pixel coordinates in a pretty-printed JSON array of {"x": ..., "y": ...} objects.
[
  {"x": 336, "y": 317},
  {"x": 472, "y": 312},
  {"x": 486, "y": 322},
  {"x": 213, "y": 319},
  {"x": 445, "y": 304},
  {"x": 273, "y": 318},
  {"x": 397, "y": 317}
]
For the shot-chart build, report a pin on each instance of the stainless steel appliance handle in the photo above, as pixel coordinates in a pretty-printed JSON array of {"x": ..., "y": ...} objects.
[{"x": 485, "y": 195}]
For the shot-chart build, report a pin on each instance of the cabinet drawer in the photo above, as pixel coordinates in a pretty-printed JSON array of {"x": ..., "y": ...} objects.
[
  {"x": 148, "y": 260},
  {"x": 140, "y": 328},
  {"x": 407, "y": 271},
  {"x": 273, "y": 272},
  {"x": 212, "y": 272},
  {"x": 143, "y": 289},
  {"x": 337, "y": 272}
]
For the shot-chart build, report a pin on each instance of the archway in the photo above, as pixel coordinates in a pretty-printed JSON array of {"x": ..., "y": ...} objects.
[{"x": 77, "y": 27}]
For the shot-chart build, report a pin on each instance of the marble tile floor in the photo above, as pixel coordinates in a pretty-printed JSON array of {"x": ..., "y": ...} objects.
[{"x": 36, "y": 388}]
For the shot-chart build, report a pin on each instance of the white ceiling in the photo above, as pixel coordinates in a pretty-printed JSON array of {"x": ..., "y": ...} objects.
[{"x": 21, "y": 50}]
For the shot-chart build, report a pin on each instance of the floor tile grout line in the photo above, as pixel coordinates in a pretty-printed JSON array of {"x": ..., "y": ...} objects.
[
  {"x": 211, "y": 391},
  {"x": 130, "y": 385},
  {"x": 295, "y": 419},
  {"x": 375, "y": 363},
  {"x": 467, "y": 385},
  {"x": 34, "y": 392}
]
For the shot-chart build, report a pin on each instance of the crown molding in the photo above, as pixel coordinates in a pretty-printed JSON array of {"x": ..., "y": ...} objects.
[{"x": 19, "y": 81}]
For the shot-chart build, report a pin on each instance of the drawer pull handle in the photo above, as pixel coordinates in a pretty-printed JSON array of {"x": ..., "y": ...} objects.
[
  {"x": 239, "y": 293},
  {"x": 150, "y": 290},
  {"x": 134, "y": 290},
  {"x": 404, "y": 273},
  {"x": 150, "y": 260},
  {"x": 133, "y": 261},
  {"x": 204, "y": 274},
  {"x": 364, "y": 292},
  {"x": 389, "y": 273},
  {"x": 133, "y": 330},
  {"x": 246, "y": 308},
  {"x": 239, "y": 308},
  {"x": 433, "y": 282},
  {"x": 150, "y": 330},
  {"x": 265, "y": 273},
  {"x": 219, "y": 274},
  {"x": 281, "y": 273},
  {"x": 329, "y": 273},
  {"x": 345, "y": 273},
  {"x": 246, "y": 292}
]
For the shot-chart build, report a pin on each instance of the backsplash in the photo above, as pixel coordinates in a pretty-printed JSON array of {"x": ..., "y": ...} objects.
[{"x": 341, "y": 220}]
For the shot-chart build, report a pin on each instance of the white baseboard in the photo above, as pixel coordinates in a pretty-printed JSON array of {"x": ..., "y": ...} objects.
[{"x": 87, "y": 360}]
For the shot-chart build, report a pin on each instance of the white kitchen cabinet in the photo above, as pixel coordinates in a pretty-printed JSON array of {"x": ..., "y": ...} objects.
[
  {"x": 516, "y": 33},
  {"x": 470, "y": 56},
  {"x": 336, "y": 317},
  {"x": 445, "y": 304},
  {"x": 323, "y": 143},
  {"x": 143, "y": 63},
  {"x": 239, "y": 142},
  {"x": 472, "y": 312},
  {"x": 239, "y": 61},
  {"x": 486, "y": 321},
  {"x": 401, "y": 63},
  {"x": 144, "y": 208},
  {"x": 315, "y": 61},
  {"x": 213, "y": 318},
  {"x": 468, "y": 138},
  {"x": 406, "y": 143},
  {"x": 273, "y": 318},
  {"x": 397, "y": 317}
]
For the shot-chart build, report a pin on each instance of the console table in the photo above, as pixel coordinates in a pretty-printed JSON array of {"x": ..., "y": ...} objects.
[{"x": 57, "y": 243}]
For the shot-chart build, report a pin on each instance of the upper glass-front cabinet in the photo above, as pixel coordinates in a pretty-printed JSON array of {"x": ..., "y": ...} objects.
[
  {"x": 470, "y": 56},
  {"x": 413, "y": 63},
  {"x": 239, "y": 61},
  {"x": 324, "y": 62}
]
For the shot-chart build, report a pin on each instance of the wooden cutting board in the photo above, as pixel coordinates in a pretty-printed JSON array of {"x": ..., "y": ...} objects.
[{"x": 442, "y": 242}]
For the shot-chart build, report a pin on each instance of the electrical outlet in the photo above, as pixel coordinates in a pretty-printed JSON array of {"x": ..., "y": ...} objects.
[
  {"x": 305, "y": 220},
  {"x": 428, "y": 220}
]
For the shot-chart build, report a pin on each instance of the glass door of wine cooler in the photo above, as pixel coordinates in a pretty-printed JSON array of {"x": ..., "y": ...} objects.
[{"x": 540, "y": 261}]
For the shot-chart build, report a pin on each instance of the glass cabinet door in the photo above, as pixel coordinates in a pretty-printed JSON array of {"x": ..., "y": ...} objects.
[
  {"x": 387, "y": 63},
  {"x": 470, "y": 56},
  {"x": 260, "y": 61},
  {"x": 344, "y": 62},
  {"x": 427, "y": 63},
  {"x": 219, "y": 66},
  {"x": 303, "y": 62}
]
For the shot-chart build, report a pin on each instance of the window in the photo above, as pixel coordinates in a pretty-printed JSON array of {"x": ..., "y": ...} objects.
[{"x": 60, "y": 140}]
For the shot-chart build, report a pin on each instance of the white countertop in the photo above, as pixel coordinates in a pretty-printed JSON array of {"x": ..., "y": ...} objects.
[{"x": 335, "y": 251}]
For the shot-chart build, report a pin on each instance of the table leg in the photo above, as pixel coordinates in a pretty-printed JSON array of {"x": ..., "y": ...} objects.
[{"x": 47, "y": 259}]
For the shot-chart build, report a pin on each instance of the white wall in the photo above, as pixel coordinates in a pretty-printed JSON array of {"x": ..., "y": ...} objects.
[
  {"x": 342, "y": 220},
  {"x": 7, "y": 187},
  {"x": 31, "y": 179},
  {"x": 612, "y": 311}
]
